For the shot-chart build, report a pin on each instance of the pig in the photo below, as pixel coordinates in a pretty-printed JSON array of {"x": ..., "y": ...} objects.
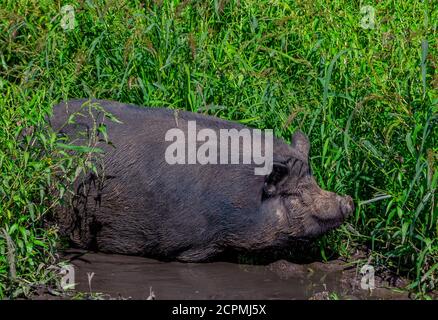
[{"x": 139, "y": 204}]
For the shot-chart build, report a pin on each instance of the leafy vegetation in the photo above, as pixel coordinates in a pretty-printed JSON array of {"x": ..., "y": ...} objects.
[{"x": 365, "y": 94}]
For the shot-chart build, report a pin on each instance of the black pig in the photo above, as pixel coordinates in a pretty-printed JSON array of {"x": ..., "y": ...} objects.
[{"x": 141, "y": 205}]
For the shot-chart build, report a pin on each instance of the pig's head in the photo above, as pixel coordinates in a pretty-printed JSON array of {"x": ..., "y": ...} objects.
[{"x": 308, "y": 210}]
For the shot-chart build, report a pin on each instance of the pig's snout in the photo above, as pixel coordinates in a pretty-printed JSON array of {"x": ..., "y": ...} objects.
[{"x": 346, "y": 205}]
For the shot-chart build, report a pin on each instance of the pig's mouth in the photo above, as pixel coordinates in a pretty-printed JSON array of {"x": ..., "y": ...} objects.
[{"x": 324, "y": 225}]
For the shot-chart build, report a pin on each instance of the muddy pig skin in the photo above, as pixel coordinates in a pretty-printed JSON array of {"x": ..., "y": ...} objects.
[{"x": 141, "y": 205}]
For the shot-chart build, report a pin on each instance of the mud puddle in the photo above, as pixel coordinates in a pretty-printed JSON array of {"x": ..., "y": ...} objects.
[{"x": 118, "y": 276}]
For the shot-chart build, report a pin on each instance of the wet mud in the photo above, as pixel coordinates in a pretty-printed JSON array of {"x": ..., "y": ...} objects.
[{"x": 128, "y": 277}]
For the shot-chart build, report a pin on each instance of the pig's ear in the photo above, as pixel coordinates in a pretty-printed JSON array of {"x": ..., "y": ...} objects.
[
  {"x": 301, "y": 143},
  {"x": 279, "y": 172}
]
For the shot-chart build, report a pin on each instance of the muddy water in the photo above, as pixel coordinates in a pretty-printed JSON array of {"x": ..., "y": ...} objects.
[{"x": 133, "y": 277}]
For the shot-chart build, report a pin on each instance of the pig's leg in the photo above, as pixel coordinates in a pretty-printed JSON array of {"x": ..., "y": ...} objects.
[{"x": 199, "y": 254}]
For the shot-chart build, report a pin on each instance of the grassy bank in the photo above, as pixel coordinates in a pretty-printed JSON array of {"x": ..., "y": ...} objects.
[{"x": 365, "y": 94}]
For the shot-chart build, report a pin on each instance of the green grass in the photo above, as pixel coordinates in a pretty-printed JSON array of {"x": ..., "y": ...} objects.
[{"x": 367, "y": 98}]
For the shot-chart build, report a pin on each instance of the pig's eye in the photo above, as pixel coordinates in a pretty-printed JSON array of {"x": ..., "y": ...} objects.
[
  {"x": 295, "y": 194},
  {"x": 291, "y": 194}
]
